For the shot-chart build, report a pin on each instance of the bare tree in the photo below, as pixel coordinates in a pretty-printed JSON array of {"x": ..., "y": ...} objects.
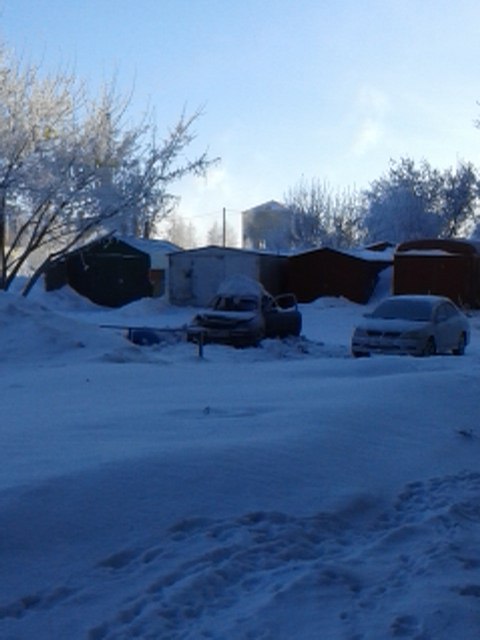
[
  {"x": 69, "y": 167},
  {"x": 323, "y": 215},
  {"x": 218, "y": 234},
  {"x": 180, "y": 232}
]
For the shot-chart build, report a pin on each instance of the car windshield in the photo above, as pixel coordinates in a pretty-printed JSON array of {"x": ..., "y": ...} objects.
[
  {"x": 235, "y": 303},
  {"x": 417, "y": 310}
]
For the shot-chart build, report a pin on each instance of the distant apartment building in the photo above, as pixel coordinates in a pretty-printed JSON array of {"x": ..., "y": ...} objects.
[{"x": 267, "y": 227}]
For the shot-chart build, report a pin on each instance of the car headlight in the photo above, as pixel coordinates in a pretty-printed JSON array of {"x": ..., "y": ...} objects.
[
  {"x": 359, "y": 333},
  {"x": 197, "y": 321}
]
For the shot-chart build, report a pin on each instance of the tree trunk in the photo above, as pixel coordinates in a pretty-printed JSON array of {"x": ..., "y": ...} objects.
[
  {"x": 36, "y": 275},
  {"x": 3, "y": 242}
]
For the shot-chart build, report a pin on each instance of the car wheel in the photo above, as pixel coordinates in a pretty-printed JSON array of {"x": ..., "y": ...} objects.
[
  {"x": 360, "y": 354},
  {"x": 255, "y": 340},
  {"x": 430, "y": 348},
  {"x": 459, "y": 350},
  {"x": 298, "y": 328}
]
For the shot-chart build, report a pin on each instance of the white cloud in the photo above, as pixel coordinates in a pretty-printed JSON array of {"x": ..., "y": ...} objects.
[
  {"x": 373, "y": 100},
  {"x": 371, "y": 110},
  {"x": 203, "y": 200},
  {"x": 367, "y": 137}
]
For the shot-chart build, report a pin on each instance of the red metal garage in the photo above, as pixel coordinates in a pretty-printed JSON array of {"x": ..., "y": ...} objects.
[
  {"x": 443, "y": 267},
  {"x": 331, "y": 272}
]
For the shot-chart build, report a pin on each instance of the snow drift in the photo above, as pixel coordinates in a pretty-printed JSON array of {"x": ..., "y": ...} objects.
[{"x": 283, "y": 492}]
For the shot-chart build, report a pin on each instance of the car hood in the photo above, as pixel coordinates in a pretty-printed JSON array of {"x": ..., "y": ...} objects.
[
  {"x": 394, "y": 325},
  {"x": 224, "y": 318}
]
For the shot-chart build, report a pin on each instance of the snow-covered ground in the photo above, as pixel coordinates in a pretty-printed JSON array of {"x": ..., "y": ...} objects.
[{"x": 285, "y": 492}]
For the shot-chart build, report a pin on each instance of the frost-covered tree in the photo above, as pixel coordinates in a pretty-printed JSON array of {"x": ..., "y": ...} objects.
[
  {"x": 405, "y": 204},
  {"x": 461, "y": 213},
  {"x": 413, "y": 202},
  {"x": 70, "y": 167},
  {"x": 323, "y": 216}
]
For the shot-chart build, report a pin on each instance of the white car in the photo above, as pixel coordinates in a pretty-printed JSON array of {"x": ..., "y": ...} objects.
[{"x": 419, "y": 325}]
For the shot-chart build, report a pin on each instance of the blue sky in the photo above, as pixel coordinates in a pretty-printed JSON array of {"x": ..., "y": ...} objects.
[{"x": 290, "y": 88}]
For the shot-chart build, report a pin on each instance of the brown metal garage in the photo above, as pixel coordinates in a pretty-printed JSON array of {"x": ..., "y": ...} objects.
[{"x": 443, "y": 267}]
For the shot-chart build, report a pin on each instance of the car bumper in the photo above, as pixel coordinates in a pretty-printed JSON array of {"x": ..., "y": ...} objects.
[
  {"x": 222, "y": 336},
  {"x": 399, "y": 346}
]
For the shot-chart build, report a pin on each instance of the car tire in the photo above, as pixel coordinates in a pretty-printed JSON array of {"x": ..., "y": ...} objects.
[
  {"x": 252, "y": 342},
  {"x": 360, "y": 354},
  {"x": 430, "y": 348},
  {"x": 298, "y": 328},
  {"x": 459, "y": 350}
]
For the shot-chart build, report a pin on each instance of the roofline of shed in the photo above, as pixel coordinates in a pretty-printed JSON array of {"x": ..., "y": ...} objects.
[
  {"x": 231, "y": 249},
  {"x": 358, "y": 254},
  {"x": 449, "y": 245}
]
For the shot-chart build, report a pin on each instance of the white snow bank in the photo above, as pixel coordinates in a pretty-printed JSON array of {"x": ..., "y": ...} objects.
[{"x": 284, "y": 492}]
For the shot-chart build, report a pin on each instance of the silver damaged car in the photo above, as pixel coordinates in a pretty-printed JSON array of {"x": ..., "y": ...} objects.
[
  {"x": 243, "y": 313},
  {"x": 419, "y": 325}
]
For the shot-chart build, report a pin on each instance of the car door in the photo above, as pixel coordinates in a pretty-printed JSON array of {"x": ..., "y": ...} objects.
[
  {"x": 270, "y": 316},
  {"x": 282, "y": 317},
  {"x": 454, "y": 324}
]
